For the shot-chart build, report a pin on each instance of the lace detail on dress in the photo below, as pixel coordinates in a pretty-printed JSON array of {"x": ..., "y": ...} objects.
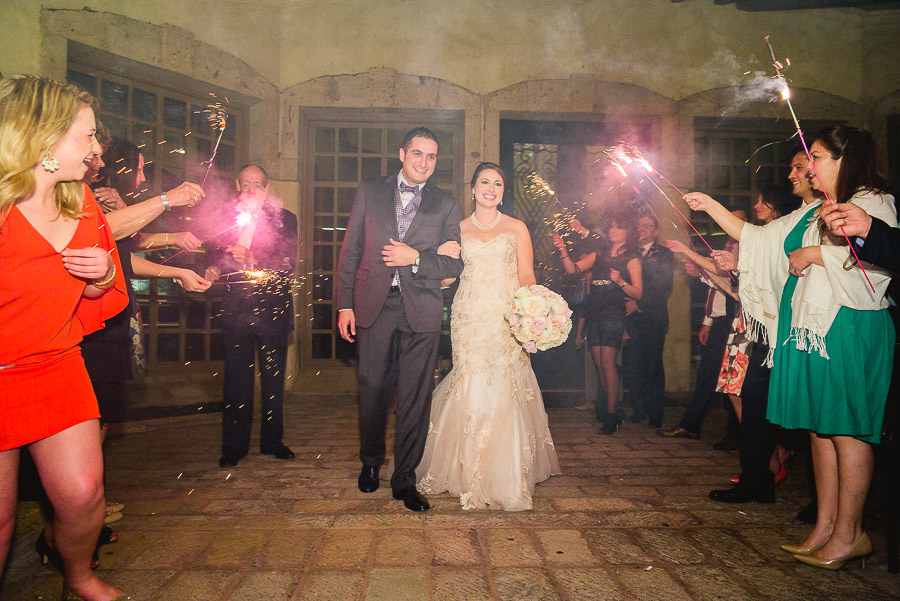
[{"x": 488, "y": 441}]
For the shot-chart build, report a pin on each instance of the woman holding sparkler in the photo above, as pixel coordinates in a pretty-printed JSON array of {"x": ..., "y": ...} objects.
[
  {"x": 617, "y": 270},
  {"x": 830, "y": 335},
  {"x": 53, "y": 235},
  {"x": 488, "y": 440}
]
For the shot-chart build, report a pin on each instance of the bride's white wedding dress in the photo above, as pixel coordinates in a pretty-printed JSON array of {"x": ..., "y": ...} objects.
[{"x": 488, "y": 441}]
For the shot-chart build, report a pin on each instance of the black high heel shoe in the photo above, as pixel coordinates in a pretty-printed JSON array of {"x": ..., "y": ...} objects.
[
  {"x": 46, "y": 553},
  {"x": 612, "y": 423}
]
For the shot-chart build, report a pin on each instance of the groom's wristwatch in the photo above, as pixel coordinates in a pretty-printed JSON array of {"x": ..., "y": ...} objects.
[{"x": 416, "y": 262}]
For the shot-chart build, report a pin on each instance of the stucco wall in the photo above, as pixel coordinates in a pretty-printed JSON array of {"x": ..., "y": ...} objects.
[{"x": 674, "y": 49}]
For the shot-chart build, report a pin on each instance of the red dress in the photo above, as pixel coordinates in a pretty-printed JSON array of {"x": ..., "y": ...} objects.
[{"x": 44, "y": 387}]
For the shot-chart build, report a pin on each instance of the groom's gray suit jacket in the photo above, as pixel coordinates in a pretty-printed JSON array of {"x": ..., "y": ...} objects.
[{"x": 364, "y": 280}]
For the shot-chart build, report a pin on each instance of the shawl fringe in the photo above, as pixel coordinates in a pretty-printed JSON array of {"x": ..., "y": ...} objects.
[
  {"x": 755, "y": 331},
  {"x": 808, "y": 341}
]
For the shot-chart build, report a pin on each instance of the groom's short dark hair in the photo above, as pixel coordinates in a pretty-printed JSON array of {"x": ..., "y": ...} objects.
[{"x": 419, "y": 132}]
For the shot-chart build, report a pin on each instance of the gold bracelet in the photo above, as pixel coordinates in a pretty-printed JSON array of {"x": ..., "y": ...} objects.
[{"x": 105, "y": 282}]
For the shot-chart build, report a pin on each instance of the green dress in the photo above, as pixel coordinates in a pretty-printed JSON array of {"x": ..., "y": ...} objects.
[{"x": 845, "y": 394}]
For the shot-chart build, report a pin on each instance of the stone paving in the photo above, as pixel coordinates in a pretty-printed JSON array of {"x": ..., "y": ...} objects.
[{"x": 628, "y": 519}]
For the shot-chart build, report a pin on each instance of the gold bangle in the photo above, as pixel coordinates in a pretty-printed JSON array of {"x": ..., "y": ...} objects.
[{"x": 105, "y": 282}]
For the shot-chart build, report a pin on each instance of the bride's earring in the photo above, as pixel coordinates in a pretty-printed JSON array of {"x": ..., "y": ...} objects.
[{"x": 49, "y": 162}]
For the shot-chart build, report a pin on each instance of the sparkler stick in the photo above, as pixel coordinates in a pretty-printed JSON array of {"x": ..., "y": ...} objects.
[
  {"x": 242, "y": 219},
  {"x": 786, "y": 95},
  {"x": 222, "y": 122}
]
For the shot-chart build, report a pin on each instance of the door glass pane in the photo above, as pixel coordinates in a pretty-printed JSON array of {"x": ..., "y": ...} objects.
[
  {"x": 345, "y": 199},
  {"x": 371, "y": 167},
  {"x": 347, "y": 169},
  {"x": 325, "y": 169},
  {"x": 371, "y": 140},
  {"x": 324, "y": 200},
  {"x": 348, "y": 139},
  {"x": 324, "y": 139}
]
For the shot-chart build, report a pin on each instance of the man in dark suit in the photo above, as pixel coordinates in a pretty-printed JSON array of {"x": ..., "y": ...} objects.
[
  {"x": 258, "y": 255},
  {"x": 389, "y": 297},
  {"x": 646, "y": 323}
]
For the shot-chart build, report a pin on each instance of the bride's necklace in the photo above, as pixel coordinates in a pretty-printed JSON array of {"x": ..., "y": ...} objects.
[{"x": 486, "y": 227}]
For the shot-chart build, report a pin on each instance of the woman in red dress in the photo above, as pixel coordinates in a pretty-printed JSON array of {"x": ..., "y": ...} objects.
[{"x": 58, "y": 282}]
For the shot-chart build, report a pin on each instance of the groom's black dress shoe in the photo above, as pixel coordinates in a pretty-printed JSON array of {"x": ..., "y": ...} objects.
[
  {"x": 412, "y": 499},
  {"x": 368, "y": 478},
  {"x": 228, "y": 460},
  {"x": 281, "y": 452}
]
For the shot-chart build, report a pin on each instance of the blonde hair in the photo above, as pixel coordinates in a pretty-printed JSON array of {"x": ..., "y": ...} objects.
[{"x": 35, "y": 114}]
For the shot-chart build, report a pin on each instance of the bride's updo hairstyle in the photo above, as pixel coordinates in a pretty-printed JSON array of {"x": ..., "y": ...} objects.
[{"x": 487, "y": 165}]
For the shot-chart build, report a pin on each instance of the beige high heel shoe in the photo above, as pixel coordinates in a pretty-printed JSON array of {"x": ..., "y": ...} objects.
[
  {"x": 862, "y": 548},
  {"x": 801, "y": 549}
]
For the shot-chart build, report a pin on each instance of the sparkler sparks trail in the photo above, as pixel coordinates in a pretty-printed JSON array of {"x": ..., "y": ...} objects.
[
  {"x": 623, "y": 155},
  {"x": 786, "y": 95}
]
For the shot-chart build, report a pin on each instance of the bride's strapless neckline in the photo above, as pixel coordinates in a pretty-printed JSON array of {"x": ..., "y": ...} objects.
[{"x": 491, "y": 239}]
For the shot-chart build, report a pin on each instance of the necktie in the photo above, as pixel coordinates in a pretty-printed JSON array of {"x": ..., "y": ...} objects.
[{"x": 410, "y": 189}]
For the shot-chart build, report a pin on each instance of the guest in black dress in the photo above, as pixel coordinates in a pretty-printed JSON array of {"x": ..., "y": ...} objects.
[{"x": 616, "y": 272}]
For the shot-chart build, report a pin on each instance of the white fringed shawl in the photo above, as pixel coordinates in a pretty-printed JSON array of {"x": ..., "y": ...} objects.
[{"x": 821, "y": 292}]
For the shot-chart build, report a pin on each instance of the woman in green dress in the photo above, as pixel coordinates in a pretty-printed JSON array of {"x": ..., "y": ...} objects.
[{"x": 829, "y": 332}]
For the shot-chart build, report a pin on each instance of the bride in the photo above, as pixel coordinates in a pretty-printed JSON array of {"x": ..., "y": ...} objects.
[{"x": 488, "y": 441}]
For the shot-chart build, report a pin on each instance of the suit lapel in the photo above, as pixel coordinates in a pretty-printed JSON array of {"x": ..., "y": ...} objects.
[
  {"x": 385, "y": 204},
  {"x": 424, "y": 206}
]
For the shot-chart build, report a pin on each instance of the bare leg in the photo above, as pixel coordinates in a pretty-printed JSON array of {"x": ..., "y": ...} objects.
[
  {"x": 855, "y": 463},
  {"x": 825, "y": 467},
  {"x": 70, "y": 464},
  {"x": 737, "y": 404},
  {"x": 9, "y": 476}
]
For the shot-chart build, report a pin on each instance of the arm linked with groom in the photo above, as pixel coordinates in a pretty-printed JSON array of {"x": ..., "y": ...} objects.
[{"x": 390, "y": 302}]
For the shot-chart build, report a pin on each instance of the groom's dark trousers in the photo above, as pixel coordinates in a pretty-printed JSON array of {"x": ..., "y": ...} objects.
[{"x": 390, "y": 351}]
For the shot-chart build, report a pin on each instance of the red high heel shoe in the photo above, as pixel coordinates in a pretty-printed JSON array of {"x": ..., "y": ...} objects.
[{"x": 782, "y": 474}]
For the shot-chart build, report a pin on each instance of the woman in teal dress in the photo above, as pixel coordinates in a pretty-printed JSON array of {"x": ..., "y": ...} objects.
[{"x": 829, "y": 332}]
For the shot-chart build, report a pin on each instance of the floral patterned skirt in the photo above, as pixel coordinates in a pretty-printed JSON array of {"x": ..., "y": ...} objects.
[{"x": 735, "y": 360}]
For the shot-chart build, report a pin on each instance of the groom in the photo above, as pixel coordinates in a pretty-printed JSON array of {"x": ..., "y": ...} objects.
[{"x": 389, "y": 298}]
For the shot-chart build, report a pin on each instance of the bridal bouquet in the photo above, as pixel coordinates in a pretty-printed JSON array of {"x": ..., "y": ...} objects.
[{"x": 539, "y": 318}]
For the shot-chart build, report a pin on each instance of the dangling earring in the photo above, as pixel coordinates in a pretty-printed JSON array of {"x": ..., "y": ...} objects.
[
  {"x": 473, "y": 195},
  {"x": 501, "y": 202},
  {"x": 49, "y": 162}
]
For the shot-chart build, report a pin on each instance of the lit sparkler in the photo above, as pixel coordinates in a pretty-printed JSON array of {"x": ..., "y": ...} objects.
[
  {"x": 628, "y": 154},
  {"x": 242, "y": 219},
  {"x": 786, "y": 96}
]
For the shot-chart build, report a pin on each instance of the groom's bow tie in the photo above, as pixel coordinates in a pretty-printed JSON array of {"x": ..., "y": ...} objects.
[{"x": 410, "y": 189}]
